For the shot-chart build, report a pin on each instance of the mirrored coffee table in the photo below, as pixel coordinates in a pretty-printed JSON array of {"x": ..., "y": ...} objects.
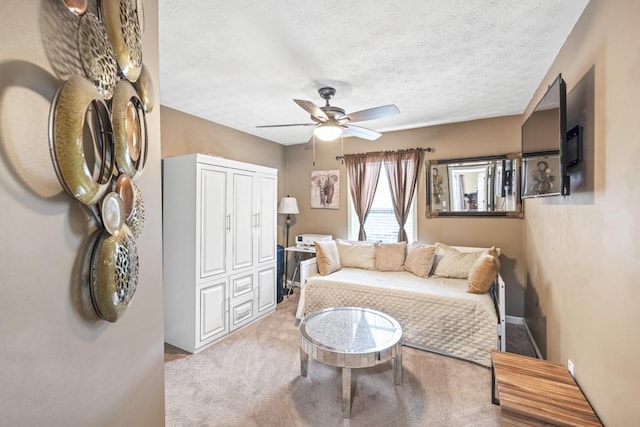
[{"x": 350, "y": 337}]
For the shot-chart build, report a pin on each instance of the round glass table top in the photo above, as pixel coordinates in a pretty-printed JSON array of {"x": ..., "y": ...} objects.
[{"x": 351, "y": 330}]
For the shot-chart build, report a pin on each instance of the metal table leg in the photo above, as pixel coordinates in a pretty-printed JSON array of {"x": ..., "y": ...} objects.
[
  {"x": 397, "y": 367},
  {"x": 293, "y": 276},
  {"x": 304, "y": 363},
  {"x": 346, "y": 392}
]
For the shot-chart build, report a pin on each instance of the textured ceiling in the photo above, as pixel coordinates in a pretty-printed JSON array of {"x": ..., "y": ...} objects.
[{"x": 242, "y": 63}]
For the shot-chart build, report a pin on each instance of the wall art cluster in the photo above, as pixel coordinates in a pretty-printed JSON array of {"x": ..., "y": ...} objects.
[{"x": 98, "y": 143}]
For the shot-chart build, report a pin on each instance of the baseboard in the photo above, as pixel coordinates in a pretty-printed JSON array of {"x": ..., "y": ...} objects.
[
  {"x": 515, "y": 320},
  {"x": 535, "y": 346}
]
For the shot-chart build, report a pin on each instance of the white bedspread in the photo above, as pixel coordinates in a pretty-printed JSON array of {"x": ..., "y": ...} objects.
[{"x": 436, "y": 313}]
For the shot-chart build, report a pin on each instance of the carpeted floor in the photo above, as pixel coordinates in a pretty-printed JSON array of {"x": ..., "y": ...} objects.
[
  {"x": 252, "y": 378},
  {"x": 518, "y": 340}
]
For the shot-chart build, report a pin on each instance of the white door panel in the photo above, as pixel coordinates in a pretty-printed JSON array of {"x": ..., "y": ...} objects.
[
  {"x": 266, "y": 288},
  {"x": 243, "y": 220},
  {"x": 266, "y": 217},
  {"x": 213, "y": 313},
  {"x": 212, "y": 224}
]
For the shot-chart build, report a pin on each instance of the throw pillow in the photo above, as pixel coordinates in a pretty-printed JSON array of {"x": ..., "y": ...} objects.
[
  {"x": 454, "y": 263},
  {"x": 419, "y": 259},
  {"x": 356, "y": 254},
  {"x": 327, "y": 257},
  {"x": 390, "y": 256},
  {"x": 483, "y": 272}
]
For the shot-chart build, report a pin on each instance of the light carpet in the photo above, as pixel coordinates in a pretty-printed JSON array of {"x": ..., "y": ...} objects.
[{"x": 252, "y": 378}]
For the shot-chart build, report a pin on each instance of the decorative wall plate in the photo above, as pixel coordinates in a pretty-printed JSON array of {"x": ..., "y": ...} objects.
[
  {"x": 124, "y": 187},
  {"x": 130, "y": 130},
  {"x": 96, "y": 54},
  {"x": 112, "y": 213},
  {"x": 78, "y": 7},
  {"x": 123, "y": 29},
  {"x": 144, "y": 87},
  {"x": 140, "y": 14},
  {"x": 114, "y": 274},
  {"x": 133, "y": 131},
  {"x": 66, "y": 140},
  {"x": 135, "y": 221}
]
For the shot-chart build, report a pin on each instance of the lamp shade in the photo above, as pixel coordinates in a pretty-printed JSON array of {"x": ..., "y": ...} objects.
[
  {"x": 288, "y": 205},
  {"x": 327, "y": 131}
]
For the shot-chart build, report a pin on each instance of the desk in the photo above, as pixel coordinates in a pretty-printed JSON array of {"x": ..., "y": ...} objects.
[{"x": 298, "y": 253}]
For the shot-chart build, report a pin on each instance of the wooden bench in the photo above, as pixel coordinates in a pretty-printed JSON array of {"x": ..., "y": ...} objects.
[{"x": 535, "y": 392}]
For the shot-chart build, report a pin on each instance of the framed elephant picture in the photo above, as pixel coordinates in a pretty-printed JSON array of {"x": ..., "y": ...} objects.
[{"x": 325, "y": 189}]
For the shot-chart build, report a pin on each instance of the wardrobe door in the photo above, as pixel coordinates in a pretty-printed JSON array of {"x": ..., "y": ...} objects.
[
  {"x": 212, "y": 220},
  {"x": 266, "y": 288},
  {"x": 266, "y": 201},
  {"x": 212, "y": 308},
  {"x": 242, "y": 220}
]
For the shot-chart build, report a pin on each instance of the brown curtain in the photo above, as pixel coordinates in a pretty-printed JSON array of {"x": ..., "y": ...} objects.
[
  {"x": 402, "y": 169},
  {"x": 363, "y": 171}
]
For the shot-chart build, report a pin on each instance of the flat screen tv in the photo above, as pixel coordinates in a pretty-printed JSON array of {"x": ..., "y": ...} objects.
[{"x": 544, "y": 141}]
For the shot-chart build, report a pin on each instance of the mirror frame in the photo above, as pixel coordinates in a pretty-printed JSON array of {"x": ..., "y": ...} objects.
[{"x": 517, "y": 213}]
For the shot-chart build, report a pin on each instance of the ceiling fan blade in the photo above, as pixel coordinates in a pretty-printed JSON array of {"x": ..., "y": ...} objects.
[
  {"x": 287, "y": 125},
  {"x": 360, "y": 132},
  {"x": 312, "y": 109},
  {"x": 372, "y": 113}
]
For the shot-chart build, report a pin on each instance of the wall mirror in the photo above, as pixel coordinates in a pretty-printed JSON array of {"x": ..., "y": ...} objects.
[{"x": 475, "y": 186}]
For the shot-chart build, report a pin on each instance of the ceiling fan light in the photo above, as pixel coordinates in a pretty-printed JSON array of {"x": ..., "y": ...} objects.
[{"x": 327, "y": 132}]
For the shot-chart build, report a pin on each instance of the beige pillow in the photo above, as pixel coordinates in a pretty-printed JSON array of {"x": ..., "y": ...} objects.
[
  {"x": 419, "y": 259},
  {"x": 327, "y": 257},
  {"x": 454, "y": 263},
  {"x": 356, "y": 254},
  {"x": 483, "y": 272},
  {"x": 390, "y": 256}
]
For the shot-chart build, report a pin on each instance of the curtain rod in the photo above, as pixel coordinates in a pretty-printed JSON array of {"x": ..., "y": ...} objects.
[{"x": 428, "y": 150}]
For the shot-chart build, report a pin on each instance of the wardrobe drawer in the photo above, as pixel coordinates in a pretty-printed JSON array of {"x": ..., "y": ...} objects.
[
  {"x": 241, "y": 313},
  {"x": 241, "y": 284}
]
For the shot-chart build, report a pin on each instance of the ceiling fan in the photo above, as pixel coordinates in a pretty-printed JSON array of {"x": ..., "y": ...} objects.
[{"x": 331, "y": 122}]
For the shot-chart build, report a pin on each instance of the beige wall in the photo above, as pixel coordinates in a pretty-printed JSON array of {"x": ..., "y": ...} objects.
[
  {"x": 186, "y": 134},
  {"x": 60, "y": 364},
  {"x": 582, "y": 251},
  {"x": 475, "y": 138}
]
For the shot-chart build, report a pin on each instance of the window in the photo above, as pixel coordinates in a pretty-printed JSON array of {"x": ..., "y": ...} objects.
[{"x": 381, "y": 223}]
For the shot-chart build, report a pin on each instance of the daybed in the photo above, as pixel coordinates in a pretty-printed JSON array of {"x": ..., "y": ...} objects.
[{"x": 437, "y": 313}]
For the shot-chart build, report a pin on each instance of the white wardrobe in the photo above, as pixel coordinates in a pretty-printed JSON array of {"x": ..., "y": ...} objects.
[{"x": 219, "y": 247}]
